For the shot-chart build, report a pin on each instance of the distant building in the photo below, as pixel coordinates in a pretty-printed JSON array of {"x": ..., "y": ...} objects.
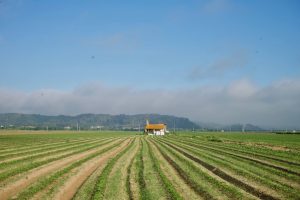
[
  {"x": 67, "y": 128},
  {"x": 96, "y": 127},
  {"x": 155, "y": 129}
]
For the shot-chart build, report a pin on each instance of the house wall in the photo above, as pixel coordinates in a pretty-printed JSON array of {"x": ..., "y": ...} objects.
[
  {"x": 156, "y": 132},
  {"x": 159, "y": 132}
]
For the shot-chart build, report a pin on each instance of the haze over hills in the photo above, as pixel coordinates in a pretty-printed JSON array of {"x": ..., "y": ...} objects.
[
  {"x": 106, "y": 121},
  {"x": 93, "y": 121}
]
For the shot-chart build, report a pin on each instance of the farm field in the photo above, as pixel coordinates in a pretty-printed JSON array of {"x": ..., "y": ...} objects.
[{"x": 127, "y": 165}]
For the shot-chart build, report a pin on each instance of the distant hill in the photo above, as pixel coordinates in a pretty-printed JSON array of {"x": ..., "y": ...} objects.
[{"x": 92, "y": 121}]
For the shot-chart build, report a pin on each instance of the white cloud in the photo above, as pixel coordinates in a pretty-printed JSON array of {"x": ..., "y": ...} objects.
[
  {"x": 276, "y": 105},
  {"x": 242, "y": 89}
]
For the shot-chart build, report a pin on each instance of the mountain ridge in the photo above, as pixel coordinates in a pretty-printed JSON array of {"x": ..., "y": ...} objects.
[
  {"x": 114, "y": 122},
  {"x": 92, "y": 121}
]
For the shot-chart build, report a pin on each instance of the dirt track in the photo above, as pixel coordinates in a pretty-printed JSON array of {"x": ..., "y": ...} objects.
[
  {"x": 14, "y": 188},
  {"x": 72, "y": 185}
]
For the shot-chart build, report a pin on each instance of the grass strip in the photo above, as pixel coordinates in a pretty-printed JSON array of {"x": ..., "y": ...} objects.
[
  {"x": 128, "y": 184},
  {"x": 171, "y": 191},
  {"x": 189, "y": 181},
  {"x": 41, "y": 149},
  {"x": 250, "y": 159},
  {"x": 253, "y": 154},
  {"x": 33, "y": 165},
  {"x": 242, "y": 168},
  {"x": 19, "y": 150},
  {"x": 239, "y": 149},
  {"x": 290, "y": 156},
  {"x": 144, "y": 193},
  {"x": 43, "y": 155},
  {"x": 31, "y": 191},
  {"x": 100, "y": 185},
  {"x": 226, "y": 176},
  {"x": 265, "y": 170}
]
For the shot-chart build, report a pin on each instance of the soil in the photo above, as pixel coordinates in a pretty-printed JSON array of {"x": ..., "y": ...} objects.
[
  {"x": 33, "y": 175},
  {"x": 72, "y": 185}
]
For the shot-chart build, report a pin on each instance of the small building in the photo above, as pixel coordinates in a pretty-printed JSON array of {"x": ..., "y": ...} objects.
[
  {"x": 155, "y": 129},
  {"x": 67, "y": 127}
]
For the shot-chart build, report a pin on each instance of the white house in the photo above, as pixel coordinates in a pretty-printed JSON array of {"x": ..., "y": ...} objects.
[{"x": 155, "y": 129}]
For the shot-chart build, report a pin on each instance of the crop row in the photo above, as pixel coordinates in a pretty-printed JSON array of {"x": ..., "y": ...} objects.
[
  {"x": 216, "y": 162},
  {"x": 142, "y": 167},
  {"x": 289, "y": 155},
  {"x": 39, "y": 149},
  {"x": 44, "y": 153},
  {"x": 31, "y": 144},
  {"x": 31, "y": 191},
  {"x": 171, "y": 191},
  {"x": 99, "y": 189},
  {"x": 289, "y": 169},
  {"x": 222, "y": 174},
  {"x": 267, "y": 178},
  {"x": 34, "y": 164},
  {"x": 205, "y": 185}
]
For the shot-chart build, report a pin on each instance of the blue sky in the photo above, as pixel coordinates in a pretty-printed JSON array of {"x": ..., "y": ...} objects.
[{"x": 170, "y": 46}]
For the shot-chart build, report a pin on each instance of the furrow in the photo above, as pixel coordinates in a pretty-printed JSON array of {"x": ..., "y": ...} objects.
[
  {"x": 246, "y": 153},
  {"x": 169, "y": 188},
  {"x": 39, "y": 150},
  {"x": 100, "y": 186},
  {"x": 197, "y": 188},
  {"x": 247, "y": 158},
  {"x": 71, "y": 186},
  {"x": 245, "y": 171},
  {"x": 225, "y": 176},
  {"x": 34, "y": 165},
  {"x": 64, "y": 165}
]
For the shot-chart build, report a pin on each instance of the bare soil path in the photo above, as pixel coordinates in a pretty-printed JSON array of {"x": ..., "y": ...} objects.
[
  {"x": 72, "y": 185},
  {"x": 17, "y": 186},
  {"x": 116, "y": 184}
]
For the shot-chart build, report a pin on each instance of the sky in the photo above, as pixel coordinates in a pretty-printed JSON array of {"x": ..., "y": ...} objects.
[{"x": 221, "y": 61}]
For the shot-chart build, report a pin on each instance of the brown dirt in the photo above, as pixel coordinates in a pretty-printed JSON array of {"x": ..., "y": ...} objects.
[
  {"x": 275, "y": 166},
  {"x": 72, "y": 185},
  {"x": 28, "y": 154},
  {"x": 134, "y": 187},
  {"x": 17, "y": 186},
  {"x": 133, "y": 176},
  {"x": 279, "y": 148},
  {"x": 227, "y": 177},
  {"x": 120, "y": 166},
  {"x": 181, "y": 187},
  {"x": 24, "y": 132},
  {"x": 256, "y": 144}
]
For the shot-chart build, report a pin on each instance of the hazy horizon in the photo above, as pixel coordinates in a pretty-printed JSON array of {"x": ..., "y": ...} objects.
[{"x": 221, "y": 61}]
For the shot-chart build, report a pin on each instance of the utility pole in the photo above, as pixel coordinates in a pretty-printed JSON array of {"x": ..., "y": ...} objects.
[{"x": 174, "y": 127}]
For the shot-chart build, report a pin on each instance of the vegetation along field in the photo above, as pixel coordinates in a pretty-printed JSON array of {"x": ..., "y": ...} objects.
[{"x": 127, "y": 165}]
